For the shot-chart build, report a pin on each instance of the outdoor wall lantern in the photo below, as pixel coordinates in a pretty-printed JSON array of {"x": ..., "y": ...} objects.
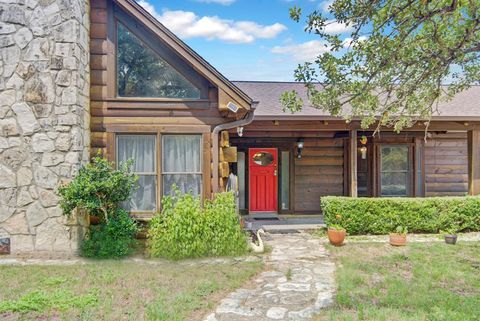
[
  {"x": 240, "y": 131},
  {"x": 299, "y": 147},
  {"x": 363, "y": 152}
]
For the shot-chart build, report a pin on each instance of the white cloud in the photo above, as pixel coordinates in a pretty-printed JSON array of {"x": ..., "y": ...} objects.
[
  {"x": 306, "y": 51},
  {"x": 324, "y": 5},
  {"x": 187, "y": 24},
  {"x": 223, "y": 2},
  {"x": 334, "y": 27}
]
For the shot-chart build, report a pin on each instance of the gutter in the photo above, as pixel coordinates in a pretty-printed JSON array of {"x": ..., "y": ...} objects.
[{"x": 225, "y": 126}]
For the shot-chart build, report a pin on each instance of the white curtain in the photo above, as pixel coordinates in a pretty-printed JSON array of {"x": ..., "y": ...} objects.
[
  {"x": 140, "y": 148},
  {"x": 181, "y": 163}
]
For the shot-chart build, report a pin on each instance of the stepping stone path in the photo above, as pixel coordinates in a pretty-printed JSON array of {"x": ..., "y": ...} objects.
[{"x": 298, "y": 282}]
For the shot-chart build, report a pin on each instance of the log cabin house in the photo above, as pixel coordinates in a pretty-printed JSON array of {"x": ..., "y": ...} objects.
[{"x": 155, "y": 100}]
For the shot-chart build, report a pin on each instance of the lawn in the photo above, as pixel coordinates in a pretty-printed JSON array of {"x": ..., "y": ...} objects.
[
  {"x": 114, "y": 290},
  {"x": 418, "y": 282}
]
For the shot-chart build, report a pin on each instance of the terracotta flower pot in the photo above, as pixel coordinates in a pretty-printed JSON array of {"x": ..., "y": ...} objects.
[
  {"x": 336, "y": 237},
  {"x": 397, "y": 239},
  {"x": 451, "y": 239}
]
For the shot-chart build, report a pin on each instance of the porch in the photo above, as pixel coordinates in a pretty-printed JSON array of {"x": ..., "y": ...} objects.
[{"x": 313, "y": 158}]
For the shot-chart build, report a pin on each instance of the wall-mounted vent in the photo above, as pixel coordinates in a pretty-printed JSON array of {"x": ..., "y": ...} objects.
[{"x": 5, "y": 245}]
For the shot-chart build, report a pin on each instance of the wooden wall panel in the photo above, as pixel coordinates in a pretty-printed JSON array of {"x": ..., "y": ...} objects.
[
  {"x": 110, "y": 114},
  {"x": 446, "y": 166},
  {"x": 318, "y": 173}
]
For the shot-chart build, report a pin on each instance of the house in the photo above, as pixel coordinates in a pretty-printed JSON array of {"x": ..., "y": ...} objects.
[{"x": 81, "y": 78}]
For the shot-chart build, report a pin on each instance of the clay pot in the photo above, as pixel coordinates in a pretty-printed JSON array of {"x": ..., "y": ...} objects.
[
  {"x": 451, "y": 239},
  {"x": 397, "y": 239},
  {"x": 336, "y": 237}
]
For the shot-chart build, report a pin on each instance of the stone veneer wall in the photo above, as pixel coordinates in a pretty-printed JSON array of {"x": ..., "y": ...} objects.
[{"x": 44, "y": 118}]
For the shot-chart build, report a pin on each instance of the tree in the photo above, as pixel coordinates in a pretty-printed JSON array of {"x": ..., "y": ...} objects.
[{"x": 395, "y": 63}]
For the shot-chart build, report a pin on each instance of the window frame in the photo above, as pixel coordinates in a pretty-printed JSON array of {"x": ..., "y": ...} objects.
[
  {"x": 205, "y": 159},
  {"x": 410, "y": 172},
  {"x": 118, "y": 15}
]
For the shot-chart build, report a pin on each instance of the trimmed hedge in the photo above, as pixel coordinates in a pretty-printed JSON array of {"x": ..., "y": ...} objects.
[{"x": 419, "y": 215}]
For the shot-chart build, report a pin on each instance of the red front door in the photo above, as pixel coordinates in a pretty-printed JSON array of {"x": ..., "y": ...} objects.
[{"x": 263, "y": 179}]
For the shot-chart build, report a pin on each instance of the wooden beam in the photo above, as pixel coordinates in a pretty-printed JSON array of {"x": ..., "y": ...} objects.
[
  {"x": 473, "y": 162},
  {"x": 353, "y": 162}
]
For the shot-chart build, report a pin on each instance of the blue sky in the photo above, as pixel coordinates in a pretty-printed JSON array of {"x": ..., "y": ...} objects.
[{"x": 244, "y": 39}]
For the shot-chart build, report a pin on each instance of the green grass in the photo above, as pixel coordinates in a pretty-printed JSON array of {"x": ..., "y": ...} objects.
[
  {"x": 416, "y": 282},
  {"x": 109, "y": 290}
]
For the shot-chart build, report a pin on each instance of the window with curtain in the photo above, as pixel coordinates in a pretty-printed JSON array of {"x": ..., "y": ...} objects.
[
  {"x": 395, "y": 170},
  {"x": 141, "y": 72},
  {"x": 142, "y": 150},
  {"x": 181, "y": 163},
  {"x": 285, "y": 180}
]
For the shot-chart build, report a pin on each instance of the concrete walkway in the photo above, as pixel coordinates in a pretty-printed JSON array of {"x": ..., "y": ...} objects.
[{"x": 298, "y": 283}]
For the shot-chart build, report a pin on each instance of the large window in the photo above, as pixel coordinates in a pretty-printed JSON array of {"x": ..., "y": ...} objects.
[
  {"x": 141, "y": 72},
  {"x": 142, "y": 150},
  {"x": 181, "y": 166},
  {"x": 181, "y": 163},
  {"x": 395, "y": 170}
]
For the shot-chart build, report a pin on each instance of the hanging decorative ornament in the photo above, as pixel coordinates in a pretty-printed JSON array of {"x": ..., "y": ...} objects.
[{"x": 363, "y": 140}]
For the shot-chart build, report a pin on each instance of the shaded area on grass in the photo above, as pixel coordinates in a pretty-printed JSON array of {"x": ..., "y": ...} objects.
[
  {"x": 110, "y": 290},
  {"x": 417, "y": 282}
]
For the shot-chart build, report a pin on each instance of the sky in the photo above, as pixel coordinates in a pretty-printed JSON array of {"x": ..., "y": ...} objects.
[{"x": 245, "y": 39}]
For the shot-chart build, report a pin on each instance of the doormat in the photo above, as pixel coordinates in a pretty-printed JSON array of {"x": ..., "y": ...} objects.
[{"x": 266, "y": 219}]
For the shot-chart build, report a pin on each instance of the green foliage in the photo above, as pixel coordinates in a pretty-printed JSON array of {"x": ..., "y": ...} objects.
[
  {"x": 383, "y": 215},
  {"x": 336, "y": 227},
  {"x": 98, "y": 188},
  {"x": 184, "y": 229},
  {"x": 112, "y": 239},
  {"x": 392, "y": 64},
  {"x": 401, "y": 230},
  {"x": 40, "y": 301}
]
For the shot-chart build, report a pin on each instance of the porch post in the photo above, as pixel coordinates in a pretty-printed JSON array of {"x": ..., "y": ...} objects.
[
  {"x": 353, "y": 162},
  {"x": 474, "y": 162}
]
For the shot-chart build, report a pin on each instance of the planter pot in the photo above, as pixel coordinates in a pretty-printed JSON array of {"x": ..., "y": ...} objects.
[
  {"x": 398, "y": 239},
  {"x": 450, "y": 239},
  {"x": 336, "y": 237}
]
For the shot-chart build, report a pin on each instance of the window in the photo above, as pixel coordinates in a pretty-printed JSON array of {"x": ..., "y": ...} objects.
[
  {"x": 181, "y": 163},
  {"x": 141, "y": 72},
  {"x": 241, "y": 179},
  {"x": 395, "y": 170},
  {"x": 141, "y": 149},
  {"x": 285, "y": 180}
]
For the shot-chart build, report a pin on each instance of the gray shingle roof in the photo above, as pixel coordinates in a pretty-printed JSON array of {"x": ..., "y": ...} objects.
[{"x": 464, "y": 106}]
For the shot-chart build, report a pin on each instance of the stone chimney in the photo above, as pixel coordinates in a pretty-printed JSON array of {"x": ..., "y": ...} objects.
[{"x": 44, "y": 118}]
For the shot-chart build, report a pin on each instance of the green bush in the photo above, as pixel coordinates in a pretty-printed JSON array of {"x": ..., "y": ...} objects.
[
  {"x": 99, "y": 188},
  {"x": 112, "y": 239},
  {"x": 418, "y": 215},
  {"x": 184, "y": 229}
]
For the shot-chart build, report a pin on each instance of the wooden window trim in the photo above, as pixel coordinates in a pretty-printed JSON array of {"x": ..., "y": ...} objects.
[{"x": 204, "y": 160}]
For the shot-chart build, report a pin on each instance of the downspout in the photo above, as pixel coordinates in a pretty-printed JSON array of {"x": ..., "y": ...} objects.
[{"x": 237, "y": 123}]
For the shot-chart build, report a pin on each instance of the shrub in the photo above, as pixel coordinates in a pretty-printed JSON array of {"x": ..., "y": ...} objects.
[
  {"x": 383, "y": 215},
  {"x": 184, "y": 229},
  {"x": 112, "y": 239},
  {"x": 99, "y": 188}
]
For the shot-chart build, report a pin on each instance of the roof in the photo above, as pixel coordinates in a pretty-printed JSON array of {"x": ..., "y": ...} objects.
[
  {"x": 200, "y": 64},
  {"x": 464, "y": 106}
]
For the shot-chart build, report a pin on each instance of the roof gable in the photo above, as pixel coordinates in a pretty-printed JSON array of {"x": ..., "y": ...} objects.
[{"x": 197, "y": 62}]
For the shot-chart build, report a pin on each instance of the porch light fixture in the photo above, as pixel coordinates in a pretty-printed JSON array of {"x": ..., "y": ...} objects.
[
  {"x": 240, "y": 131},
  {"x": 299, "y": 147},
  {"x": 232, "y": 107},
  {"x": 363, "y": 152}
]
